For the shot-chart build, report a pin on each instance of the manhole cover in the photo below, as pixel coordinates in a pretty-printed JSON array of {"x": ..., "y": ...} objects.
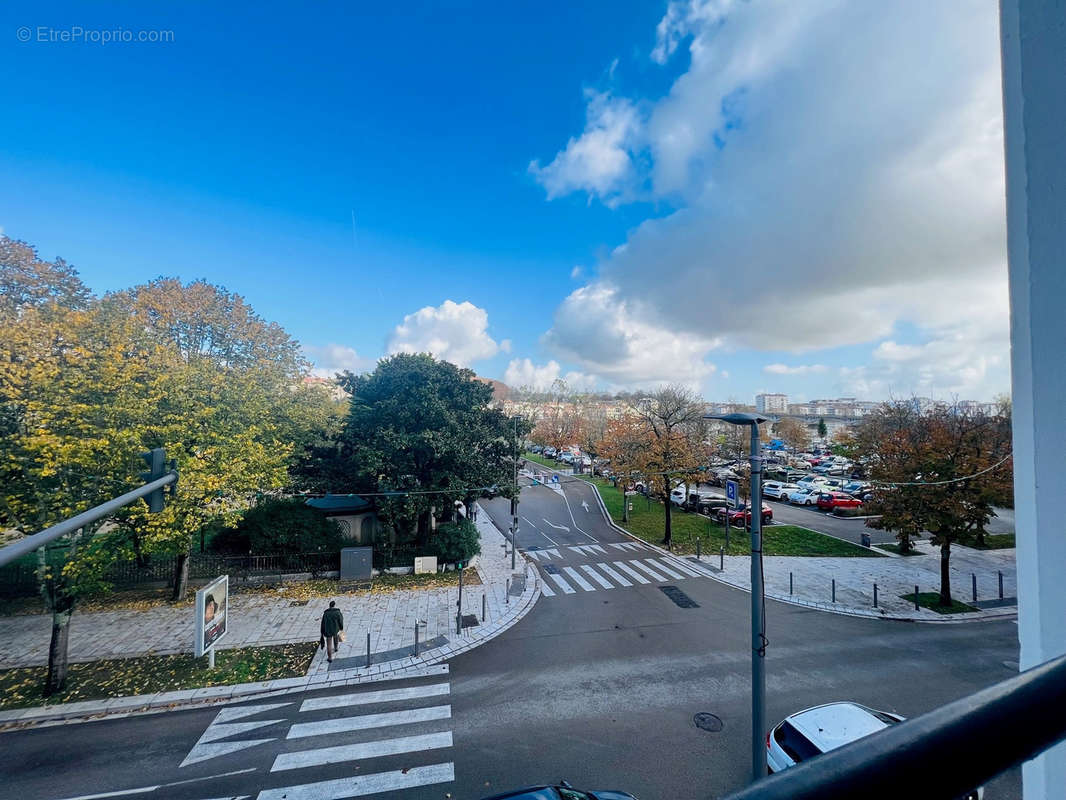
[
  {"x": 706, "y": 721},
  {"x": 469, "y": 620},
  {"x": 294, "y": 603}
]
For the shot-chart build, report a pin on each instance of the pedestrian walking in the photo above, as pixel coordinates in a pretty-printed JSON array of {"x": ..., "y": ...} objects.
[{"x": 331, "y": 631}]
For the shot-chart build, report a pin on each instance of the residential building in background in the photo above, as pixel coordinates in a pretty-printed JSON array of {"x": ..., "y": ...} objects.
[{"x": 767, "y": 403}]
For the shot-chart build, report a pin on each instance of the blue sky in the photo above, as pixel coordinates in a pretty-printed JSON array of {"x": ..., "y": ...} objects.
[{"x": 242, "y": 150}]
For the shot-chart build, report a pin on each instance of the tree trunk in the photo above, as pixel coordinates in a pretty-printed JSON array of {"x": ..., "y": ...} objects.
[
  {"x": 57, "y": 649},
  {"x": 945, "y": 574},
  {"x": 667, "y": 538},
  {"x": 181, "y": 576}
]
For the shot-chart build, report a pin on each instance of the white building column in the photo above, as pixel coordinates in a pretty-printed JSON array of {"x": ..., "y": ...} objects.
[{"x": 1033, "y": 34}]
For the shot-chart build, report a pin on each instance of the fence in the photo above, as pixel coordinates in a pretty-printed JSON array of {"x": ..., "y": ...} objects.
[{"x": 20, "y": 579}]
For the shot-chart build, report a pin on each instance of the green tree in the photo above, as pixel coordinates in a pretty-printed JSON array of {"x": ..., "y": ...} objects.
[
  {"x": 822, "y": 430},
  {"x": 424, "y": 429},
  {"x": 455, "y": 541},
  {"x": 281, "y": 525}
]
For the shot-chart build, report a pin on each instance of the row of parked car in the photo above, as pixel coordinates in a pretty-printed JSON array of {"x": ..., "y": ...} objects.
[
  {"x": 565, "y": 456},
  {"x": 827, "y": 494}
]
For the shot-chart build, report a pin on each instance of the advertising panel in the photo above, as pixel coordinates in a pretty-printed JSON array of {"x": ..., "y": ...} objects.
[{"x": 212, "y": 614}]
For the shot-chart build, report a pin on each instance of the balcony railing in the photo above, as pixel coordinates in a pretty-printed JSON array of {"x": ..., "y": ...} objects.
[{"x": 945, "y": 753}]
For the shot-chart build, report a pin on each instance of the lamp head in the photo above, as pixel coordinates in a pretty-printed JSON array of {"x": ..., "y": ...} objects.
[{"x": 738, "y": 418}]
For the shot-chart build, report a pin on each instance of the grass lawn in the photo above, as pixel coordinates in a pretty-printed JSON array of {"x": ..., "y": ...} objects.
[
  {"x": 150, "y": 674},
  {"x": 647, "y": 520},
  {"x": 931, "y": 600},
  {"x": 995, "y": 541},
  {"x": 894, "y": 548}
]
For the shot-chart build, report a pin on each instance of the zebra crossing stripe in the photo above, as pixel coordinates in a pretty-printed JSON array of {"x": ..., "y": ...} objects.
[
  {"x": 619, "y": 545},
  {"x": 546, "y": 590},
  {"x": 562, "y": 584},
  {"x": 383, "y": 696},
  {"x": 355, "y": 752},
  {"x": 584, "y": 584},
  {"x": 661, "y": 565},
  {"x": 597, "y": 548},
  {"x": 618, "y": 578},
  {"x": 359, "y": 785},
  {"x": 364, "y": 721},
  {"x": 602, "y": 581},
  {"x": 632, "y": 573},
  {"x": 681, "y": 565},
  {"x": 648, "y": 570}
]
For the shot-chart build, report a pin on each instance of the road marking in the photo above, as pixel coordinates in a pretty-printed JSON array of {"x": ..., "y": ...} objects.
[
  {"x": 364, "y": 721},
  {"x": 679, "y": 564},
  {"x": 207, "y": 747},
  {"x": 597, "y": 548},
  {"x": 562, "y": 584},
  {"x": 147, "y": 789},
  {"x": 618, "y": 578},
  {"x": 230, "y": 714},
  {"x": 546, "y": 590},
  {"x": 648, "y": 570},
  {"x": 538, "y": 530},
  {"x": 631, "y": 573},
  {"x": 355, "y": 752},
  {"x": 553, "y": 552},
  {"x": 585, "y": 506},
  {"x": 660, "y": 565},
  {"x": 359, "y": 785},
  {"x": 557, "y": 527},
  {"x": 594, "y": 539},
  {"x": 602, "y": 581},
  {"x": 584, "y": 584},
  {"x": 383, "y": 696}
]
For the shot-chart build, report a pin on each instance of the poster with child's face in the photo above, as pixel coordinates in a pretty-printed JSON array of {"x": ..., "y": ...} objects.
[{"x": 211, "y": 614}]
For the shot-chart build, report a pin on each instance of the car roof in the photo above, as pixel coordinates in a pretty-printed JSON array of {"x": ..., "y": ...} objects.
[{"x": 836, "y": 724}]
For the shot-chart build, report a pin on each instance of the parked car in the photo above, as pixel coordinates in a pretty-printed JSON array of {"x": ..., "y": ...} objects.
[
  {"x": 812, "y": 481},
  {"x": 536, "y": 449},
  {"x": 854, "y": 487},
  {"x": 818, "y": 730},
  {"x": 704, "y": 501},
  {"x": 549, "y": 452},
  {"x": 805, "y": 496},
  {"x": 778, "y": 490},
  {"x": 679, "y": 495},
  {"x": 741, "y": 516},
  {"x": 561, "y": 791},
  {"x": 827, "y": 501}
]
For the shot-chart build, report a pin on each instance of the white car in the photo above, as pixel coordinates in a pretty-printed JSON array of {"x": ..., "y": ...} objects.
[
  {"x": 778, "y": 490},
  {"x": 812, "y": 481},
  {"x": 805, "y": 497}
]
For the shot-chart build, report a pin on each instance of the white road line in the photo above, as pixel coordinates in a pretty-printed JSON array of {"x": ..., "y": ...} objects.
[
  {"x": 383, "y": 696},
  {"x": 359, "y": 785},
  {"x": 562, "y": 584},
  {"x": 681, "y": 565},
  {"x": 597, "y": 548},
  {"x": 553, "y": 552},
  {"x": 618, "y": 578},
  {"x": 648, "y": 570},
  {"x": 594, "y": 539},
  {"x": 345, "y": 724},
  {"x": 602, "y": 581},
  {"x": 354, "y": 752},
  {"x": 660, "y": 564},
  {"x": 538, "y": 530},
  {"x": 534, "y": 553},
  {"x": 147, "y": 789},
  {"x": 619, "y": 545},
  {"x": 584, "y": 584},
  {"x": 631, "y": 573},
  {"x": 546, "y": 590}
]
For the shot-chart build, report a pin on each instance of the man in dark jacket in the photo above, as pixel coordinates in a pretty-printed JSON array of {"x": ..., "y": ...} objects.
[{"x": 329, "y": 630}]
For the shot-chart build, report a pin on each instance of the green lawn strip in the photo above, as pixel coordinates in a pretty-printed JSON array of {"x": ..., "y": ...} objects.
[
  {"x": 931, "y": 600},
  {"x": 152, "y": 674},
  {"x": 995, "y": 541},
  {"x": 894, "y": 548},
  {"x": 647, "y": 520}
]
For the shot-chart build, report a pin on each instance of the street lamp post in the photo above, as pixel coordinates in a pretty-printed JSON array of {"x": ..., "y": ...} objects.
[
  {"x": 758, "y": 611},
  {"x": 514, "y": 498}
]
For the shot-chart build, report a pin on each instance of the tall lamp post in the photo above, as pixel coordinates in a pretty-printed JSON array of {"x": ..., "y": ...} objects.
[
  {"x": 514, "y": 497},
  {"x": 758, "y": 603}
]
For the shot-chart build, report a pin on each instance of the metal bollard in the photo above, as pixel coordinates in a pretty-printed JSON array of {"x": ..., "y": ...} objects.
[
  {"x": 1000, "y": 585},
  {"x": 875, "y": 595},
  {"x": 721, "y": 558},
  {"x": 368, "y": 648},
  {"x": 416, "y": 640},
  {"x": 973, "y": 580},
  {"x": 916, "y": 597},
  {"x": 834, "y": 590},
  {"x": 482, "y": 608},
  {"x": 697, "y": 549},
  {"x": 790, "y": 583},
  {"x": 507, "y": 593}
]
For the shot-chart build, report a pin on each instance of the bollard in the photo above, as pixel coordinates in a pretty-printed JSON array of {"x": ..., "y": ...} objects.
[
  {"x": 697, "y": 549},
  {"x": 875, "y": 595},
  {"x": 482, "y": 608},
  {"x": 916, "y": 598},
  {"x": 368, "y": 648},
  {"x": 416, "y": 640},
  {"x": 790, "y": 583},
  {"x": 507, "y": 593},
  {"x": 973, "y": 580},
  {"x": 1000, "y": 585},
  {"x": 834, "y": 590},
  {"x": 721, "y": 559}
]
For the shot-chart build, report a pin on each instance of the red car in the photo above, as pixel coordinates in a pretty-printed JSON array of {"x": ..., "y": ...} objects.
[
  {"x": 830, "y": 500},
  {"x": 742, "y": 516}
]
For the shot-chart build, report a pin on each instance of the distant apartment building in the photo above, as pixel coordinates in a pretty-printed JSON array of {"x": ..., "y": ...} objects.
[{"x": 771, "y": 403}]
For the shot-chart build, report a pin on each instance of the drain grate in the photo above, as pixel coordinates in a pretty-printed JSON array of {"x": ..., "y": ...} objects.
[
  {"x": 294, "y": 603},
  {"x": 681, "y": 600},
  {"x": 469, "y": 620},
  {"x": 707, "y": 721}
]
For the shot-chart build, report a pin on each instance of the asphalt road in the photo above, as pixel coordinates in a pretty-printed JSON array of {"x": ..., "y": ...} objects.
[{"x": 598, "y": 686}]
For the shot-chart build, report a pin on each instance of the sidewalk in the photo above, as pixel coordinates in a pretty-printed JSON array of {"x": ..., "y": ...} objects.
[{"x": 262, "y": 620}]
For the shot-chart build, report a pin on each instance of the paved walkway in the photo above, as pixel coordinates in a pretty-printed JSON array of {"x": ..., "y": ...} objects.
[{"x": 261, "y": 619}]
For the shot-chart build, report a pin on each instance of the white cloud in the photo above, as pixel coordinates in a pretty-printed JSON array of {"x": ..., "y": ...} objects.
[
  {"x": 598, "y": 161},
  {"x": 523, "y": 373},
  {"x": 333, "y": 358},
  {"x": 803, "y": 369},
  {"x": 456, "y": 332},
  {"x": 839, "y": 172},
  {"x": 576, "y": 272},
  {"x": 505, "y": 345}
]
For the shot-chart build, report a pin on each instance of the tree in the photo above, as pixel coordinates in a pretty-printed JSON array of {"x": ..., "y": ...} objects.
[
  {"x": 793, "y": 433},
  {"x": 562, "y": 422},
  {"x": 28, "y": 282},
  {"x": 942, "y": 471},
  {"x": 424, "y": 429},
  {"x": 283, "y": 525},
  {"x": 822, "y": 430}
]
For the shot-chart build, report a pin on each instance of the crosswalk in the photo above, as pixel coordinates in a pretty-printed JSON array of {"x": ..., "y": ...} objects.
[
  {"x": 362, "y": 743},
  {"x": 590, "y": 550},
  {"x": 562, "y": 580}
]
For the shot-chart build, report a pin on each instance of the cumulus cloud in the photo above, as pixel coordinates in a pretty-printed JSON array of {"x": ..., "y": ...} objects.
[
  {"x": 456, "y": 332},
  {"x": 523, "y": 373},
  {"x": 332, "y": 358},
  {"x": 598, "y": 161},
  {"x": 835, "y": 165},
  {"x": 802, "y": 369}
]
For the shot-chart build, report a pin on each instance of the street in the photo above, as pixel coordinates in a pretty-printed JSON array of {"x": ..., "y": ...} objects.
[{"x": 597, "y": 685}]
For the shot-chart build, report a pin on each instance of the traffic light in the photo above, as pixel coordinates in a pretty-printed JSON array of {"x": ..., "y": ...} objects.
[{"x": 157, "y": 468}]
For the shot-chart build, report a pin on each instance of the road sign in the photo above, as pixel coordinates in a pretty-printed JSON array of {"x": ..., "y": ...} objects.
[
  {"x": 731, "y": 493},
  {"x": 555, "y": 478}
]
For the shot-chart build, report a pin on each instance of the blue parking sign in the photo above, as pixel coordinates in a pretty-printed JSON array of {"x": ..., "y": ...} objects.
[
  {"x": 731, "y": 493},
  {"x": 555, "y": 478}
]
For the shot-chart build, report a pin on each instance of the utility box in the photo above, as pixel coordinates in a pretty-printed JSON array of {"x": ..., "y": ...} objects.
[
  {"x": 865, "y": 538},
  {"x": 425, "y": 565},
  {"x": 356, "y": 563}
]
